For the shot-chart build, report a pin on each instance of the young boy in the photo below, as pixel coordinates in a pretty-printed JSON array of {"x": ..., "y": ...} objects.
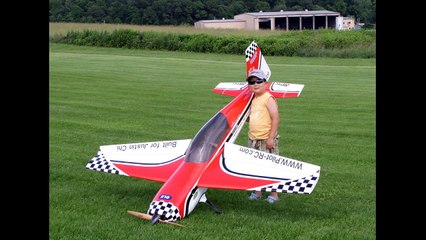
[{"x": 263, "y": 122}]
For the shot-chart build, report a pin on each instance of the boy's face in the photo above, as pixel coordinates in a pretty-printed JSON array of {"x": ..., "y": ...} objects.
[{"x": 257, "y": 85}]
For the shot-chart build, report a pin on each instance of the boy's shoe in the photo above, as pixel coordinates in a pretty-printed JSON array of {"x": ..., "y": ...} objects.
[
  {"x": 254, "y": 196},
  {"x": 271, "y": 199}
]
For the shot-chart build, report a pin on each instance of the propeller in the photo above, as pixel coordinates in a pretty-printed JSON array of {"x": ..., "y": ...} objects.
[{"x": 154, "y": 219}]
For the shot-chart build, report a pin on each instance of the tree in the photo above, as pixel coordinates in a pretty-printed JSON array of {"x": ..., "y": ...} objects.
[
  {"x": 361, "y": 9},
  {"x": 262, "y": 6},
  {"x": 117, "y": 11},
  {"x": 150, "y": 16},
  {"x": 175, "y": 12},
  {"x": 198, "y": 12},
  {"x": 75, "y": 13},
  {"x": 280, "y": 5},
  {"x": 57, "y": 10},
  {"x": 96, "y": 10},
  {"x": 238, "y": 7},
  {"x": 339, "y": 6},
  {"x": 135, "y": 15}
]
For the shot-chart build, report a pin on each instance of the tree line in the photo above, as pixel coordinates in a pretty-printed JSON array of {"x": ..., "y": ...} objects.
[{"x": 187, "y": 12}]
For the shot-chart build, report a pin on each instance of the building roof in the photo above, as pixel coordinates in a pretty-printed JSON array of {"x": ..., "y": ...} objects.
[{"x": 292, "y": 13}]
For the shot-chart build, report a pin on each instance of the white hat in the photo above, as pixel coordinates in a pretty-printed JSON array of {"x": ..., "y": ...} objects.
[{"x": 257, "y": 73}]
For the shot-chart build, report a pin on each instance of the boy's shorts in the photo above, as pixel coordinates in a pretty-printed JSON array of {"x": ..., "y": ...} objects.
[{"x": 261, "y": 145}]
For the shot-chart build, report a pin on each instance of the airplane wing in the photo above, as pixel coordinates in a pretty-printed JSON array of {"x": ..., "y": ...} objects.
[
  {"x": 147, "y": 160},
  {"x": 242, "y": 168}
]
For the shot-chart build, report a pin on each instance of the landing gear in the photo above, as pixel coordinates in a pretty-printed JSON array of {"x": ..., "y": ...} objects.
[{"x": 210, "y": 203}]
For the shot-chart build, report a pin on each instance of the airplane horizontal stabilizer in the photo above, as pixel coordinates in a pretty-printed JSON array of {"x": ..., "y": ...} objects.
[
  {"x": 243, "y": 168},
  {"x": 285, "y": 90},
  {"x": 232, "y": 89},
  {"x": 147, "y": 160},
  {"x": 277, "y": 89}
]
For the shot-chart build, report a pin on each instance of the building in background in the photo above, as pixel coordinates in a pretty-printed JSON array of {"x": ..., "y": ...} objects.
[
  {"x": 282, "y": 20},
  {"x": 221, "y": 24},
  {"x": 345, "y": 23}
]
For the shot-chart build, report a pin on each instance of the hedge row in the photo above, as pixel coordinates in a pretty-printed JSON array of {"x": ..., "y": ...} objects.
[{"x": 318, "y": 43}]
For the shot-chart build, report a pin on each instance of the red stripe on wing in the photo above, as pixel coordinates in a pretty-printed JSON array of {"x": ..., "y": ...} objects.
[{"x": 159, "y": 173}]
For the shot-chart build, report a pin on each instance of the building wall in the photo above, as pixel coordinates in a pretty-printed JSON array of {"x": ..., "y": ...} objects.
[
  {"x": 222, "y": 25},
  {"x": 250, "y": 23},
  {"x": 348, "y": 23},
  {"x": 345, "y": 23},
  {"x": 339, "y": 23}
]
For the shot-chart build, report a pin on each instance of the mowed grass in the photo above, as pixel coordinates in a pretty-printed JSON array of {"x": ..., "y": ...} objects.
[{"x": 100, "y": 96}]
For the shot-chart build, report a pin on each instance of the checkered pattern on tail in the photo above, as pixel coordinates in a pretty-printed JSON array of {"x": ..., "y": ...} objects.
[
  {"x": 302, "y": 186},
  {"x": 101, "y": 164},
  {"x": 169, "y": 211},
  {"x": 250, "y": 50}
]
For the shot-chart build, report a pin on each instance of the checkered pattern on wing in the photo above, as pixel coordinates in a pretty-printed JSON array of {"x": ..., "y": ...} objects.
[
  {"x": 302, "y": 186},
  {"x": 167, "y": 210},
  {"x": 250, "y": 50},
  {"x": 101, "y": 164}
]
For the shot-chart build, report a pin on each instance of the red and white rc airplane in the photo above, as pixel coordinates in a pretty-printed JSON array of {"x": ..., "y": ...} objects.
[{"x": 211, "y": 159}]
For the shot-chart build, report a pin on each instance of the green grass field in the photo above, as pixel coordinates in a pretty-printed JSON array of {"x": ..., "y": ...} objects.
[{"x": 100, "y": 96}]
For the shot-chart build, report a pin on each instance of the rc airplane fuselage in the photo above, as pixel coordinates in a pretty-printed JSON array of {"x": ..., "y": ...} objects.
[{"x": 189, "y": 167}]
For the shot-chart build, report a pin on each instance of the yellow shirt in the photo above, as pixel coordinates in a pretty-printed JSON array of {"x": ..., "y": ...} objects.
[{"x": 260, "y": 121}]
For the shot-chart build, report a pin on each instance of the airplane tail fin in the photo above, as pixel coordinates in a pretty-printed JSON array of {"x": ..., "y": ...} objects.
[{"x": 255, "y": 60}]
